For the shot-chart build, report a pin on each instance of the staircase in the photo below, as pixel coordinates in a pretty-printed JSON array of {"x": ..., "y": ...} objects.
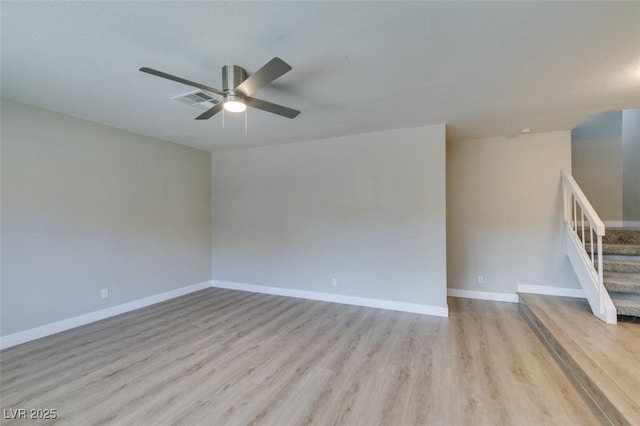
[
  {"x": 621, "y": 269},
  {"x": 606, "y": 261}
]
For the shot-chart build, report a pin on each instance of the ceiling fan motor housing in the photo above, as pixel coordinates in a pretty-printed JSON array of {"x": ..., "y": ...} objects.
[{"x": 232, "y": 76}]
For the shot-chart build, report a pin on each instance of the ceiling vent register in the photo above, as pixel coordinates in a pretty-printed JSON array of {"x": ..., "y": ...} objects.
[{"x": 197, "y": 99}]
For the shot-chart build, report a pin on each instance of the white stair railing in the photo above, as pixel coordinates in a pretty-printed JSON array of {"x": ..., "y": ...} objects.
[{"x": 582, "y": 226}]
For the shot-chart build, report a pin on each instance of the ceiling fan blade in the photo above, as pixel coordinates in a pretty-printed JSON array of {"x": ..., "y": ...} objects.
[
  {"x": 265, "y": 75},
  {"x": 181, "y": 80},
  {"x": 272, "y": 108},
  {"x": 211, "y": 111}
]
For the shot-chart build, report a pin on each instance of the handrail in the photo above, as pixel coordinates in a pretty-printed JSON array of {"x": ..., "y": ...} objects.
[
  {"x": 585, "y": 205},
  {"x": 588, "y": 264}
]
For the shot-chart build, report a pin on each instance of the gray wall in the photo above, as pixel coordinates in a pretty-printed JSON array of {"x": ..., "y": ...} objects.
[
  {"x": 631, "y": 165},
  {"x": 367, "y": 209},
  {"x": 596, "y": 150},
  {"x": 504, "y": 212},
  {"x": 86, "y": 207}
]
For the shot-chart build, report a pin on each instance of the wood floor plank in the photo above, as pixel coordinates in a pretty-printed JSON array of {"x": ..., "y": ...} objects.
[{"x": 225, "y": 357}]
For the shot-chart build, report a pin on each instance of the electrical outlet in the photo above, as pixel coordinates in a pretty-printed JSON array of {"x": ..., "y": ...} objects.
[
  {"x": 334, "y": 282},
  {"x": 104, "y": 293},
  {"x": 480, "y": 279}
]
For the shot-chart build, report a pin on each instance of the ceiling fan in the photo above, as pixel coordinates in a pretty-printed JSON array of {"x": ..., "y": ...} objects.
[{"x": 237, "y": 88}]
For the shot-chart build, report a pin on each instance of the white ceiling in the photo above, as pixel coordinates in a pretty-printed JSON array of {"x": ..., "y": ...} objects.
[{"x": 485, "y": 69}]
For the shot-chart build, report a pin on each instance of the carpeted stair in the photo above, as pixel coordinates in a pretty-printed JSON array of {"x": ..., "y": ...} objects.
[{"x": 621, "y": 269}]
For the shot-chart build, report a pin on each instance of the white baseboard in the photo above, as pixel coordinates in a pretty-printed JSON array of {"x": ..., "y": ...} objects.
[
  {"x": 551, "y": 291},
  {"x": 337, "y": 298},
  {"x": 622, "y": 223},
  {"x": 56, "y": 327},
  {"x": 483, "y": 295}
]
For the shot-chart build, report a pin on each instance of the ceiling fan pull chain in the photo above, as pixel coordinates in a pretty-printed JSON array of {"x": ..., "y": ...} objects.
[
  {"x": 222, "y": 118},
  {"x": 245, "y": 123}
]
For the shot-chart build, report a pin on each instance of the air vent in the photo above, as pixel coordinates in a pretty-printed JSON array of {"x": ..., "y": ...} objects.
[{"x": 197, "y": 99}]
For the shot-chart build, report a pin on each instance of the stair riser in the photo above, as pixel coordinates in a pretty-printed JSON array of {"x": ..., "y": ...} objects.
[
  {"x": 622, "y": 257},
  {"x": 629, "y": 312},
  {"x": 626, "y": 304},
  {"x": 626, "y": 296}
]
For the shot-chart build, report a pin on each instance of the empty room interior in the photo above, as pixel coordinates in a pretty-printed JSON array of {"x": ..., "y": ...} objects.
[{"x": 320, "y": 213}]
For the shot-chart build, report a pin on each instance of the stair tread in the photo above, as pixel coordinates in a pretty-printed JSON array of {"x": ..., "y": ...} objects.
[
  {"x": 629, "y": 249},
  {"x": 615, "y": 236},
  {"x": 622, "y": 285},
  {"x": 610, "y": 265},
  {"x": 622, "y": 235}
]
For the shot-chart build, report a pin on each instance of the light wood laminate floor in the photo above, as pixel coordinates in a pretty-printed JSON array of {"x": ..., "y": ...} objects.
[
  {"x": 603, "y": 356},
  {"x": 223, "y": 357}
]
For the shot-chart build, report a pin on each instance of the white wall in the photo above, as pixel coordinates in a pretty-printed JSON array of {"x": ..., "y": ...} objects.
[
  {"x": 367, "y": 209},
  {"x": 86, "y": 207},
  {"x": 631, "y": 165},
  {"x": 504, "y": 218},
  {"x": 597, "y": 162}
]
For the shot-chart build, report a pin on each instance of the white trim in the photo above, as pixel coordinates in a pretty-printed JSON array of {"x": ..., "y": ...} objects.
[
  {"x": 483, "y": 295},
  {"x": 551, "y": 291},
  {"x": 337, "y": 298},
  {"x": 622, "y": 223},
  {"x": 583, "y": 202},
  {"x": 67, "y": 324}
]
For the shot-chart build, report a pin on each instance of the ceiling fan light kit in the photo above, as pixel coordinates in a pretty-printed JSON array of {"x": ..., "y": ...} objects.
[
  {"x": 237, "y": 88},
  {"x": 234, "y": 103}
]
